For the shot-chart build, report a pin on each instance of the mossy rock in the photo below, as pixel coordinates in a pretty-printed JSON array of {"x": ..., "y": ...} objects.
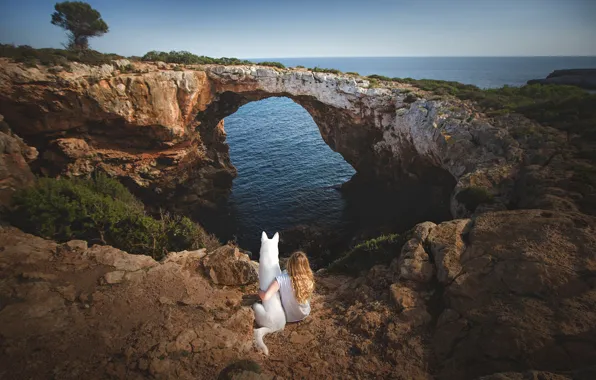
[{"x": 474, "y": 196}]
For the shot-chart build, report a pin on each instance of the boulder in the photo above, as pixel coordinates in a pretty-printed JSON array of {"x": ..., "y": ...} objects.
[
  {"x": 228, "y": 266},
  {"x": 521, "y": 294},
  {"x": 447, "y": 245}
]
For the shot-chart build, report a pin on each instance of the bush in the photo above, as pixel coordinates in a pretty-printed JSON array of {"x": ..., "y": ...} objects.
[
  {"x": 381, "y": 250},
  {"x": 188, "y": 58},
  {"x": 352, "y": 73},
  {"x": 52, "y": 57},
  {"x": 101, "y": 210},
  {"x": 272, "y": 64},
  {"x": 379, "y": 77},
  {"x": 318, "y": 69}
]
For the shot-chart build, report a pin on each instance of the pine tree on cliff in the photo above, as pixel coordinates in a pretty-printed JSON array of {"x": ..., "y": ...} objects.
[{"x": 80, "y": 21}]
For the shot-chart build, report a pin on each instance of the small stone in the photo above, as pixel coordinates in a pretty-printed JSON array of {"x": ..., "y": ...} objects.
[
  {"x": 68, "y": 292},
  {"x": 166, "y": 301},
  {"x": 302, "y": 339},
  {"x": 159, "y": 366},
  {"x": 143, "y": 364},
  {"x": 114, "y": 277}
]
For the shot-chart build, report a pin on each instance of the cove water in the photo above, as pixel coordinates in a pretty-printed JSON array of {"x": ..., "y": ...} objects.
[{"x": 286, "y": 172}]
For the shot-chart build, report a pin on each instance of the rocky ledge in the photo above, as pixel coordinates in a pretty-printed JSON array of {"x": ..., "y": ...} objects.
[
  {"x": 506, "y": 295},
  {"x": 159, "y": 127},
  {"x": 584, "y": 78}
]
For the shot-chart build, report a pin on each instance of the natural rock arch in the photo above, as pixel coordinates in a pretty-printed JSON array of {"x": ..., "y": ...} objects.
[{"x": 142, "y": 126}]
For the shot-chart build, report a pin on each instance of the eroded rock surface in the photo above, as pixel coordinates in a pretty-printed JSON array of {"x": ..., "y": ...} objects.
[{"x": 161, "y": 130}]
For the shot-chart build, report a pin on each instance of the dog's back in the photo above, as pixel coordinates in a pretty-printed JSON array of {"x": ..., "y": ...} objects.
[{"x": 269, "y": 315}]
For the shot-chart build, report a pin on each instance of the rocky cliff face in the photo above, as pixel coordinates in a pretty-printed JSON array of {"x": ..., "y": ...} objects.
[{"x": 160, "y": 128}]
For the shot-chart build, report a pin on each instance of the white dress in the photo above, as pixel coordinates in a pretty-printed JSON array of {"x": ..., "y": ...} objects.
[{"x": 294, "y": 311}]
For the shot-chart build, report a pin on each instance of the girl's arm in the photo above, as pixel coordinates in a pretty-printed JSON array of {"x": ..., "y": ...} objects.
[{"x": 273, "y": 288}]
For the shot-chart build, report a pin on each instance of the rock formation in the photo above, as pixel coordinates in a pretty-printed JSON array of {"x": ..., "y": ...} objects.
[
  {"x": 160, "y": 127},
  {"x": 584, "y": 78},
  {"x": 492, "y": 294},
  {"x": 496, "y": 296}
]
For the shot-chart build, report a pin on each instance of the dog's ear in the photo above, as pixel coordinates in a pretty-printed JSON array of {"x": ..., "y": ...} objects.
[
  {"x": 264, "y": 237},
  {"x": 275, "y": 238}
]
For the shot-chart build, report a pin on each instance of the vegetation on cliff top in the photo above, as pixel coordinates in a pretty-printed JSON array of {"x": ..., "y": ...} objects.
[
  {"x": 52, "y": 57},
  {"x": 188, "y": 58},
  {"x": 101, "y": 210}
]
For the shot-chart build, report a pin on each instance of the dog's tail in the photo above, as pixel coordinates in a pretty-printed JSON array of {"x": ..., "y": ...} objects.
[{"x": 259, "y": 334}]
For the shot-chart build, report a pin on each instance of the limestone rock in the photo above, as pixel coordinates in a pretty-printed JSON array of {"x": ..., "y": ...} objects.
[
  {"x": 176, "y": 118},
  {"x": 114, "y": 277},
  {"x": 447, "y": 245},
  {"x": 227, "y": 266},
  {"x": 122, "y": 261}
]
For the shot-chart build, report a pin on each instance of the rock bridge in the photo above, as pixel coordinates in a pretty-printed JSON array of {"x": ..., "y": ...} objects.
[{"x": 159, "y": 127}]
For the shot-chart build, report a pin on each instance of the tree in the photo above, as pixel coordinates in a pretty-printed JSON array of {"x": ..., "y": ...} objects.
[{"x": 80, "y": 22}]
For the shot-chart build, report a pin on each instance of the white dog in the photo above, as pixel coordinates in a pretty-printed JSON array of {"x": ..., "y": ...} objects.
[{"x": 270, "y": 314}]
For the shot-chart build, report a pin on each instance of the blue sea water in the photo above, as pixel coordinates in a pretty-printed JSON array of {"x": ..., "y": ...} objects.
[{"x": 286, "y": 172}]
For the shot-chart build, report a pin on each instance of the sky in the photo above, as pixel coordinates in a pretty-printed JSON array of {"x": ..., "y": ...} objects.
[{"x": 322, "y": 28}]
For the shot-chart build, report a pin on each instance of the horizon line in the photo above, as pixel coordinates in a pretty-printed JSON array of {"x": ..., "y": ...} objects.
[{"x": 430, "y": 56}]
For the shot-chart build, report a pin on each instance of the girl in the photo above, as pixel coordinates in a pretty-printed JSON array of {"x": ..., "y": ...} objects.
[{"x": 295, "y": 286}]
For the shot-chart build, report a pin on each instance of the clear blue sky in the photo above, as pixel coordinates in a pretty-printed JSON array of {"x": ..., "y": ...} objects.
[{"x": 308, "y": 28}]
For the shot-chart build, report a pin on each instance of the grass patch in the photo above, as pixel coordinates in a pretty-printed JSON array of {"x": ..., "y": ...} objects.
[
  {"x": 101, "y": 210},
  {"x": 380, "y": 250}
]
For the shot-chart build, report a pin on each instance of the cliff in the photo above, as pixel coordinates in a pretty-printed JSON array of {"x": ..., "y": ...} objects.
[
  {"x": 584, "y": 78},
  {"x": 160, "y": 127},
  {"x": 498, "y": 296}
]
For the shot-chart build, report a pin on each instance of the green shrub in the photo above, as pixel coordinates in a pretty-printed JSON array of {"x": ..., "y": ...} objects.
[
  {"x": 127, "y": 69},
  {"x": 188, "y": 58},
  {"x": 272, "y": 64},
  {"x": 52, "y": 57},
  {"x": 300, "y": 67},
  {"x": 317, "y": 69},
  {"x": 381, "y": 250},
  {"x": 474, "y": 196},
  {"x": 101, "y": 210},
  {"x": 352, "y": 73}
]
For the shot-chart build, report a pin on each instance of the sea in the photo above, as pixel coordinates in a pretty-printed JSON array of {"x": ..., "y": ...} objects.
[{"x": 288, "y": 176}]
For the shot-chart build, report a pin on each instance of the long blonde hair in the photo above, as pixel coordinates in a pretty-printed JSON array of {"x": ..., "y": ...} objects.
[{"x": 301, "y": 275}]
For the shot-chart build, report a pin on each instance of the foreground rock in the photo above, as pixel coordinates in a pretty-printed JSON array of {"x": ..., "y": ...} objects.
[
  {"x": 584, "y": 78},
  {"x": 160, "y": 127},
  {"x": 506, "y": 295}
]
